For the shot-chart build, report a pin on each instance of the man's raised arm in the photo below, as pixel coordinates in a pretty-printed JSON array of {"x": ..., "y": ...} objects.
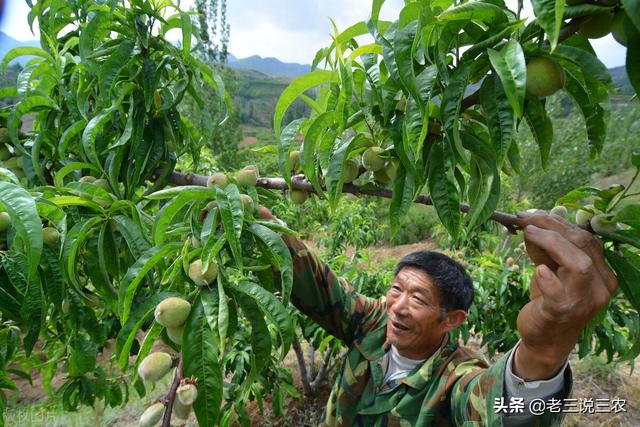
[{"x": 320, "y": 294}]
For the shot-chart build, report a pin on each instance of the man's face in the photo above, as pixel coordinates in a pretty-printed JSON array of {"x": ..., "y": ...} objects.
[{"x": 414, "y": 323}]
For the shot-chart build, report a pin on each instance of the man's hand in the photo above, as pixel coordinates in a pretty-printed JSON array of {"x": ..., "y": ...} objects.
[{"x": 570, "y": 284}]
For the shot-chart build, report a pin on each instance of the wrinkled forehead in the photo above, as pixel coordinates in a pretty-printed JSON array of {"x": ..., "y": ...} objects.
[{"x": 417, "y": 280}]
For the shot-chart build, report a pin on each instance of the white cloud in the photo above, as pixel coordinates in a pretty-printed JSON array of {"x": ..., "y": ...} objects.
[{"x": 14, "y": 21}]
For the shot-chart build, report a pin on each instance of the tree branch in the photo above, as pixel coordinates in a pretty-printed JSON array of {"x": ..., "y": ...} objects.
[
  {"x": 571, "y": 28},
  {"x": 171, "y": 396},
  {"x": 297, "y": 348},
  {"x": 312, "y": 363},
  {"x": 299, "y": 183},
  {"x": 322, "y": 371}
]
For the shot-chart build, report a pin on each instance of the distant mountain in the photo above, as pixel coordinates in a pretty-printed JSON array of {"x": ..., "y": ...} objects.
[
  {"x": 256, "y": 96},
  {"x": 7, "y": 43},
  {"x": 621, "y": 80},
  {"x": 269, "y": 66}
]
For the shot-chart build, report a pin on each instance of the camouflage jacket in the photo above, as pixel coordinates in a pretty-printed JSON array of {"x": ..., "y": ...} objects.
[{"x": 455, "y": 386}]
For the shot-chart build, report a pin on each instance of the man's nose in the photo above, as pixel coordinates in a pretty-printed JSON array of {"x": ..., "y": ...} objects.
[{"x": 401, "y": 305}]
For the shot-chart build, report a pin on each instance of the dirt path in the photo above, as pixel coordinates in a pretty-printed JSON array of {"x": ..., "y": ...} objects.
[
  {"x": 247, "y": 140},
  {"x": 385, "y": 253}
]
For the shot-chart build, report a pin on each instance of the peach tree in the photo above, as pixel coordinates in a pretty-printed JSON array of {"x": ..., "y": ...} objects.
[
  {"x": 426, "y": 109},
  {"x": 108, "y": 250}
]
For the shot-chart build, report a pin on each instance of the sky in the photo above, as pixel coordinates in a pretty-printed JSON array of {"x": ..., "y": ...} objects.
[{"x": 292, "y": 30}]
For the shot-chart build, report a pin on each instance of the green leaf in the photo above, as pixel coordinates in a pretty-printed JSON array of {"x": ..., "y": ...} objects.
[
  {"x": 279, "y": 254},
  {"x": 630, "y": 215},
  {"x": 90, "y": 133},
  {"x": 635, "y": 158},
  {"x": 633, "y": 43},
  {"x": 450, "y": 108},
  {"x": 223, "y": 314},
  {"x": 403, "y": 54},
  {"x": 82, "y": 355},
  {"x": 604, "y": 197},
  {"x": 193, "y": 191},
  {"x": 74, "y": 240},
  {"x": 22, "y": 51},
  {"x": 401, "y": 199},
  {"x": 629, "y": 237},
  {"x": 260, "y": 336},
  {"x": 201, "y": 357},
  {"x": 8, "y": 175},
  {"x": 287, "y": 140},
  {"x": 21, "y": 207},
  {"x": 231, "y": 211},
  {"x": 510, "y": 65},
  {"x": 312, "y": 138},
  {"x": 138, "y": 271},
  {"x": 69, "y": 134},
  {"x": 186, "y": 33},
  {"x": 626, "y": 265},
  {"x": 339, "y": 41},
  {"x": 133, "y": 235},
  {"x": 476, "y": 11},
  {"x": 594, "y": 114},
  {"x": 144, "y": 308},
  {"x": 632, "y": 8},
  {"x": 272, "y": 309},
  {"x": 484, "y": 184},
  {"x": 500, "y": 116},
  {"x": 31, "y": 104},
  {"x": 51, "y": 277},
  {"x": 33, "y": 310},
  {"x": 67, "y": 169},
  {"x": 334, "y": 178},
  {"x": 170, "y": 210},
  {"x": 549, "y": 14},
  {"x": 8, "y": 92},
  {"x": 588, "y": 62},
  {"x": 114, "y": 65},
  {"x": 492, "y": 40},
  {"x": 541, "y": 127},
  {"x": 442, "y": 186},
  {"x": 75, "y": 201},
  {"x": 296, "y": 88}
]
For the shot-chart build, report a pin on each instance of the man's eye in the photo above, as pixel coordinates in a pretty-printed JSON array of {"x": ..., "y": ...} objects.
[
  {"x": 395, "y": 288},
  {"x": 419, "y": 300}
]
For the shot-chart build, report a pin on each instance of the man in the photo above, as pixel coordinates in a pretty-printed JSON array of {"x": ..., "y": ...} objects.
[{"x": 401, "y": 369}]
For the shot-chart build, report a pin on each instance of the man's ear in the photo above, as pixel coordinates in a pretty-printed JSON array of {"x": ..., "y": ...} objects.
[{"x": 454, "y": 319}]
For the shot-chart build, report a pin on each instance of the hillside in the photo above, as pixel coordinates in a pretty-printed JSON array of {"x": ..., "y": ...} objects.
[
  {"x": 621, "y": 81},
  {"x": 7, "y": 43},
  {"x": 256, "y": 97}
]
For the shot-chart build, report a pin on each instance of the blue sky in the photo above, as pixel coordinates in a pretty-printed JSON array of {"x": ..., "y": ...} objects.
[{"x": 292, "y": 30}]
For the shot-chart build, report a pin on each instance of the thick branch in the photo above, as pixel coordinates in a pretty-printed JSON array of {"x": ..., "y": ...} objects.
[
  {"x": 324, "y": 368},
  {"x": 571, "y": 28},
  {"x": 171, "y": 396},
  {"x": 312, "y": 363},
  {"x": 299, "y": 183},
  {"x": 297, "y": 348}
]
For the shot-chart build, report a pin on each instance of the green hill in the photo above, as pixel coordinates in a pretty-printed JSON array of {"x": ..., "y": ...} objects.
[{"x": 256, "y": 97}]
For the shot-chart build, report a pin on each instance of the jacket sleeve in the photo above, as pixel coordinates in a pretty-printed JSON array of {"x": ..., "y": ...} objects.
[
  {"x": 479, "y": 398},
  {"x": 327, "y": 299}
]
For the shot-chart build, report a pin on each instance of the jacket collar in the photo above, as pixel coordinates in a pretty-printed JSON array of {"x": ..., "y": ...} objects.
[{"x": 374, "y": 345}]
